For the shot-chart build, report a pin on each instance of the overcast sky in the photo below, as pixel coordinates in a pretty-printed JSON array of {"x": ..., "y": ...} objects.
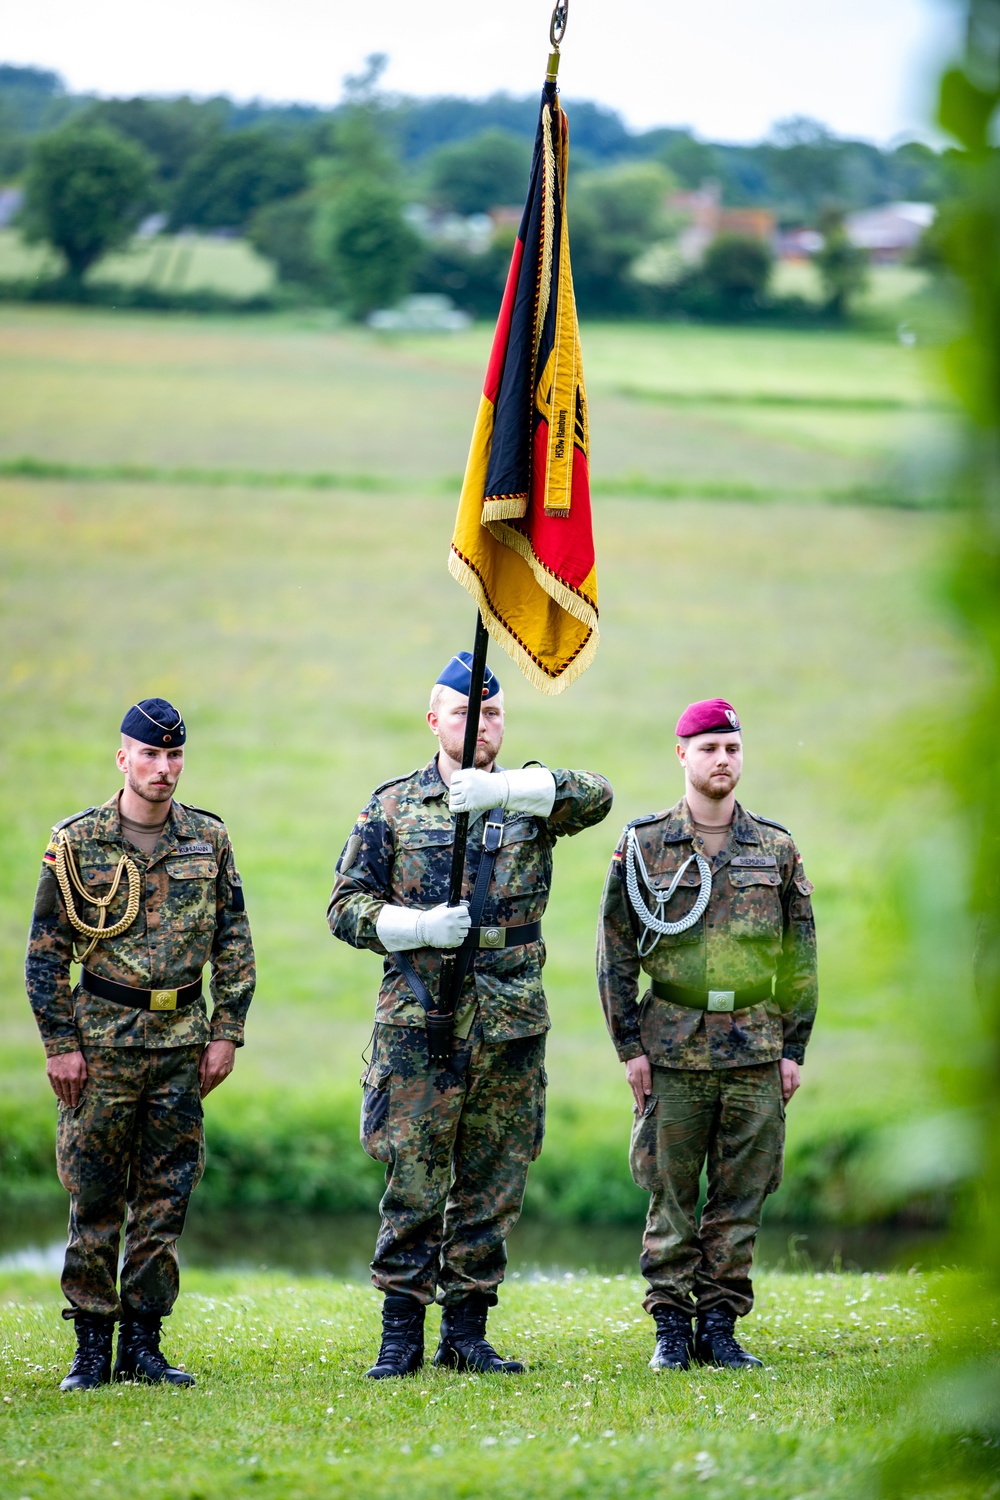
[{"x": 728, "y": 68}]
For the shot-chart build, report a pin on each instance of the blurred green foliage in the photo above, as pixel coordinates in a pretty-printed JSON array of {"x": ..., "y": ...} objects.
[
  {"x": 954, "y": 1448},
  {"x": 85, "y": 191},
  {"x": 233, "y": 175},
  {"x": 843, "y": 266},
  {"x": 273, "y": 172},
  {"x": 473, "y": 176},
  {"x": 735, "y": 273}
]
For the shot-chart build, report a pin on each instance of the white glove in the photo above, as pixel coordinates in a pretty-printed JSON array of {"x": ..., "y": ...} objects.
[
  {"x": 477, "y": 791},
  {"x": 402, "y": 927},
  {"x": 532, "y": 790}
]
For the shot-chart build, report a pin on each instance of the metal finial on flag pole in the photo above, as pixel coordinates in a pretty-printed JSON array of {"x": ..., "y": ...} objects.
[{"x": 557, "y": 30}]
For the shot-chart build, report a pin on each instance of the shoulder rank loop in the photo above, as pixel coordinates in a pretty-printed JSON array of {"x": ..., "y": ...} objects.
[
  {"x": 654, "y": 922},
  {"x": 68, "y": 878}
]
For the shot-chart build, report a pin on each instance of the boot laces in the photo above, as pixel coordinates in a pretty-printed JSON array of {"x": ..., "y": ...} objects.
[
  {"x": 468, "y": 1330},
  {"x": 91, "y": 1350},
  {"x": 145, "y": 1339},
  {"x": 673, "y": 1342},
  {"x": 724, "y": 1342},
  {"x": 399, "y": 1334}
]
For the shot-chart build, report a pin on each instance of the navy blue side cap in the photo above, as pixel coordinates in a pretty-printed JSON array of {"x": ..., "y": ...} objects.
[
  {"x": 154, "y": 721},
  {"x": 458, "y": 674}
]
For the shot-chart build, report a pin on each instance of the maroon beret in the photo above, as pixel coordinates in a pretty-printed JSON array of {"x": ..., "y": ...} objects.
[{"x": 707, "y": 717}]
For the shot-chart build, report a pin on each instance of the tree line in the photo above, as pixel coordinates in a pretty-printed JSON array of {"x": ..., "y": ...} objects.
[{"x": 327, "y": 195}]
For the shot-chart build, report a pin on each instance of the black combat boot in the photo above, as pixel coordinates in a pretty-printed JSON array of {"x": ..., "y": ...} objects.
[
  {"x": 715, "y": 1344},
  {"x": 402, "y": 1348},
  {"x": 91, "y": 1365},
  {"x": 464, "y": 1345},
  {"x": 139, "y": 1356},
  {"x": 673, "y": 1339}
]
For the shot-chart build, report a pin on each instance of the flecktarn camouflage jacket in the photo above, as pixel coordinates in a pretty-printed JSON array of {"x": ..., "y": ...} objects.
[
  {"x": 400, "y": 852},
  {"x": 758, "y": 925},
  {"x": 191, "y": 913}
]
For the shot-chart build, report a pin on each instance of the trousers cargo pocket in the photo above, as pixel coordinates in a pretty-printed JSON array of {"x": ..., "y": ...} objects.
[
  {"x": 642, "y": 1151},
  {"x": 778, "y": 1167},
  {"x": 68, "y": 1149},
  {"x": 543, "y": 1084},
  {"x": 375, "y": 1113}
]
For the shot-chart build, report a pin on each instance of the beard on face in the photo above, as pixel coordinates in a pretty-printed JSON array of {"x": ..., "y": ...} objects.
[
  {"x": 149, "y": 793},
  {"x": 715, "y": 791},
  {"x": 453, "y": 748}
]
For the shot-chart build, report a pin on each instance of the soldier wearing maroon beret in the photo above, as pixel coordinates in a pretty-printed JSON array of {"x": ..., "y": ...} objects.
[{"x": 709, "y": 904}]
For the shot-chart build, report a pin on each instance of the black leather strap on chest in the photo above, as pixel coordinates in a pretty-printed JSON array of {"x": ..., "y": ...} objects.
[{"x": 492, "y": 840}]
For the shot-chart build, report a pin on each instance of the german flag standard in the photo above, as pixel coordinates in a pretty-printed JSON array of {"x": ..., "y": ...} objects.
[{"x": 523, "y": 543}]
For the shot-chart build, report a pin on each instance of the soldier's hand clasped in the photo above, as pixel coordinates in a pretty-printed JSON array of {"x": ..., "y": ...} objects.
[
  {"x": 444, "y": 926},
  {"x": 403, "y": 927}
]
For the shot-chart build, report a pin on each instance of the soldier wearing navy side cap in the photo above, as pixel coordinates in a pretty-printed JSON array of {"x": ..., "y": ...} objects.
[
  {"x": 710, "y": 904},
  {"x": 457, "y": 1141},
  {"x": 142, "y": 892}
]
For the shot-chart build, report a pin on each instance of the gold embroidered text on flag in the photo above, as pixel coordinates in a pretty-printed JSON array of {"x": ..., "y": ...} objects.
[{"x": 523, "y": 543}]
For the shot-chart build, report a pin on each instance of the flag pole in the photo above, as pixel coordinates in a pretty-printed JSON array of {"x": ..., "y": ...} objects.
[{"x": 440, "y": 1022}]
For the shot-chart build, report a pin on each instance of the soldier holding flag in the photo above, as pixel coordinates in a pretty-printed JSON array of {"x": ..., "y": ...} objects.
[
  {"x": 457, "y": 1139},
  {"x": 454, "y": 1096}
]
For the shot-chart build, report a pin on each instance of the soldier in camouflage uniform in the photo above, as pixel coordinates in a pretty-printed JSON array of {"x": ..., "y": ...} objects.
[
  {"x": 711, "y": 903},
  {"x": 143, "y": 893},
  {"x": 457, "y": 1141}
]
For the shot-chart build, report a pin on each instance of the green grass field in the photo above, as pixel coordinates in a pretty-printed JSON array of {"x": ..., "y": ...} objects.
[
  {"x": 282, "y": 1410},
  {"x": 299, "y": 629}
]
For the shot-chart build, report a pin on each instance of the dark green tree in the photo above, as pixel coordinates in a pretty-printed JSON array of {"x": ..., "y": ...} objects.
[
  {"x": 285, "y": 234},
  {"x": 477, "y": 175},
  {"x": 691, "y": 161},
  {"x": 85, "y": 191},
  {"x": 233, "y": 176},
  {"x": 842, "y": 265},
  {"x": 372, "y": 252},
  {"x": 802, "y": 159},
  {"x": 736, "y": 273},
  {"x": 173, "y": 131},
  {"x": 613, "y": 217}
]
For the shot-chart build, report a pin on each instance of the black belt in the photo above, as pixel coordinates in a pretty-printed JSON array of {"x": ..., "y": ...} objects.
[
  {"x": 502, "y": 937},
  {"x": 712, "y": 999},
  {"x": 122, "y": 994},
  {"x": 492, "y": 939}
]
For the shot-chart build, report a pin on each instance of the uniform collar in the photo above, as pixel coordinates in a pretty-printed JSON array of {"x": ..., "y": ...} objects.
[
  {"x": 678, "y": 826},
  {"x": 429, "y": 782},
  {"x": 107, "y": 827},
  {"x": 179, "y": 829}
]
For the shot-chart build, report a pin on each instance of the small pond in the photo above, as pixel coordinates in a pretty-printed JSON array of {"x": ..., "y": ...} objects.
[{"x": 32, "y": 1237}]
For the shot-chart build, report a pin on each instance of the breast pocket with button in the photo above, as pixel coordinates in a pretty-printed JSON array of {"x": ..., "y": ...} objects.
[
  {"x": 190, "y": 896},
  {"x": 755, "y": 904}
]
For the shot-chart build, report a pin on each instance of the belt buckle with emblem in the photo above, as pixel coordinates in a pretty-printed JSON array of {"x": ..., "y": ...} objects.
[
  {"x": 163, "y": 999},
  {"x": 721, "y": 1000},
  {"x": 491, "y": 937}
]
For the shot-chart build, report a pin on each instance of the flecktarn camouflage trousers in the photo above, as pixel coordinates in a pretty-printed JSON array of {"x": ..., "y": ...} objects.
[
  {"x": 134, "y": 1144},
  {"x": 731, "y": 1122},
  {"x": 457, "y": 1144}
]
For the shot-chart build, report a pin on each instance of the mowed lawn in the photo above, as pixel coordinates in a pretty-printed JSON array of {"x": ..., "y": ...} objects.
[{"x": 282, "y": 1409}]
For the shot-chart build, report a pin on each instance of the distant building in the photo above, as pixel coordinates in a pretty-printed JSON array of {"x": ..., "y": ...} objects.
[
  {"x": 890, "y": 231},
  {"x": 707, "y": 219},
  {"x": 797, "y": 244},
  {"x": 11, "y": 199}
]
